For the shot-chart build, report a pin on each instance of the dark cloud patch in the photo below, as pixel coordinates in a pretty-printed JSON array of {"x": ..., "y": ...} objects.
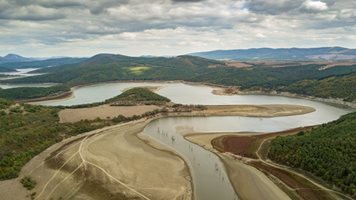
[
  {"x": 29, "y": 13},
  {"x": 60, "y": 4},
  {"x": 186, "y": 1},
  {"x": 273, "y": 7}
]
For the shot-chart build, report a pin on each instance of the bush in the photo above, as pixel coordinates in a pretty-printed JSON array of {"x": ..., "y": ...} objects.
[{"x": 28, "y": 182}]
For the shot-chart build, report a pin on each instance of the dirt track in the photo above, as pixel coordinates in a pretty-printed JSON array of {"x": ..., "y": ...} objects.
[
  {"x": 119, "y": 163},
  {"x": 110, "y": 164}
]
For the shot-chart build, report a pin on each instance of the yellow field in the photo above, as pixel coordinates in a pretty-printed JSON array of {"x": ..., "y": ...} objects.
[{"x": 137, "y": 70}]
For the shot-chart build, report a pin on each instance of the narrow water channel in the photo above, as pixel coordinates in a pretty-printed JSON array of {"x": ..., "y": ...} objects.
[{"x": 209, "y": 176}]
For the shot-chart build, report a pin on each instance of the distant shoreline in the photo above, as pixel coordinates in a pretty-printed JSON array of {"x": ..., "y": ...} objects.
[{"x": 330, "y": 101}]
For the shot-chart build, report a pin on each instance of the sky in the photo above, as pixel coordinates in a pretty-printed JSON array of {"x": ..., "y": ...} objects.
[{"x": 45, "y": 28}]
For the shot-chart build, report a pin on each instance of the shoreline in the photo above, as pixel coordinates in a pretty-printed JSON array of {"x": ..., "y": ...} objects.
[
  {"x": 38, "y": 160},
  {"x": 243, "y": 178},
  {"x": 273, "y": 171},
  {"x": 331, "y": 101}
]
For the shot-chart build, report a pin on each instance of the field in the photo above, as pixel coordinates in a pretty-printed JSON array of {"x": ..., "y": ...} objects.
[{"x": 138, "y": 70}]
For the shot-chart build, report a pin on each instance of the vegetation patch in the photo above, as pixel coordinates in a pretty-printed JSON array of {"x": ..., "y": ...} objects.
[
  {"x": 328, "y": 152},
  {"x": 138, "y": 96},
  {"x": 25, "y": 93},
  {"x": 337, "y": 87},
  {"x": 26, "y": 130},
  {"x": 28, "y": 182},
  {"x": 138, "y": 70}
]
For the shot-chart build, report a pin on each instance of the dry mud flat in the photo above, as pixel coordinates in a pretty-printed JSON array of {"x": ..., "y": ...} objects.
[
  {"x": 109, "y": 164},
  {"x": 103, "y": 112},
  {"x": 257, "y": 111},
  {"x": 120, "y": 163}
]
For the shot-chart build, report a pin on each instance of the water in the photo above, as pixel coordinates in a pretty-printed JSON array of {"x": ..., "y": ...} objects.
[
  {"x": 20, "y": 73},
  {"x": 8, "y": 86},
  {"x": 209, "y": 176}
]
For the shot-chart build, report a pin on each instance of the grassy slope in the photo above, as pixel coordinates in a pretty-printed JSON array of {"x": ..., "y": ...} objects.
[{"x": 328, "y": 152}]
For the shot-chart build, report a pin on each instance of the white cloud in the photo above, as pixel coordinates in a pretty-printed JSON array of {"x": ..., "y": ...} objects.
[
  {"x": 170, "y": 27},
  {"x": 315, "y": 5}
]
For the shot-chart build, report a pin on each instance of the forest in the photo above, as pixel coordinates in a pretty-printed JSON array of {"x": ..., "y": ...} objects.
[
  {"x": 327, "y": 151},
  {"x": 307, "y": 79},
  {"x": 23, "y": 93},
  {"x": 26, "y": 130}
]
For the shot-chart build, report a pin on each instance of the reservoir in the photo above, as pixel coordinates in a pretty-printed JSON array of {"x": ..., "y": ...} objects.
[{"x": 208, "y": 172}]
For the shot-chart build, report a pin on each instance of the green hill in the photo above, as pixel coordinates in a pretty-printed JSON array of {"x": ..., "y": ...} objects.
[
  {"x": 136, "y": 96},
  {"x": 328, "y": 152},
  {"x": 24, "y": 93},
  {"x": 336, "y": 86},
  {"x": 108, "y": 67},
  {"x": 336, "y": 82}
]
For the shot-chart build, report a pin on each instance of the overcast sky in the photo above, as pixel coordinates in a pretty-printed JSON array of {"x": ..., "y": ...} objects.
[{"x": 45, "y": 28}]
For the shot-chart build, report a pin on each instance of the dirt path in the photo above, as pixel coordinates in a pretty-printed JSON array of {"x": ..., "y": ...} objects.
[{"x": 112, "y": 163}]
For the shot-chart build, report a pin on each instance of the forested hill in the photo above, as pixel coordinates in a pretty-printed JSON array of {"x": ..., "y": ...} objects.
[
  {"x": 328, "y": 152},
  {"x": 109, "y": 67},
  {"x": 312, "y": 79},
  {"x": 343, "y": 87}
]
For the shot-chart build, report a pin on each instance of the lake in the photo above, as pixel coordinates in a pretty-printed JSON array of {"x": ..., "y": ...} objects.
[{"x": 209, "y": 176}]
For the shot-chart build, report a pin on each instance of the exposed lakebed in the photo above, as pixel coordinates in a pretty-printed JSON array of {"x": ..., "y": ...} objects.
[{"x": 209, "y": 175}]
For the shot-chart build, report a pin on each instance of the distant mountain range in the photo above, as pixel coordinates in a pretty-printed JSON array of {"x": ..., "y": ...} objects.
[
  {"x": 305, "y": 54},
  {"x": 10, "y": 58},
  {"x": 13, "y": 61}
]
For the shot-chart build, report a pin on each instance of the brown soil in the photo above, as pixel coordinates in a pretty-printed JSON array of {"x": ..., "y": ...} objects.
[
  {"x": 246, "y": 145},
  {"x": 237, "y": 64},
  {"x": 226, "y": 91},
  {"x": 103, "y": 112},
  {"x": 238, "y": 145}
]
